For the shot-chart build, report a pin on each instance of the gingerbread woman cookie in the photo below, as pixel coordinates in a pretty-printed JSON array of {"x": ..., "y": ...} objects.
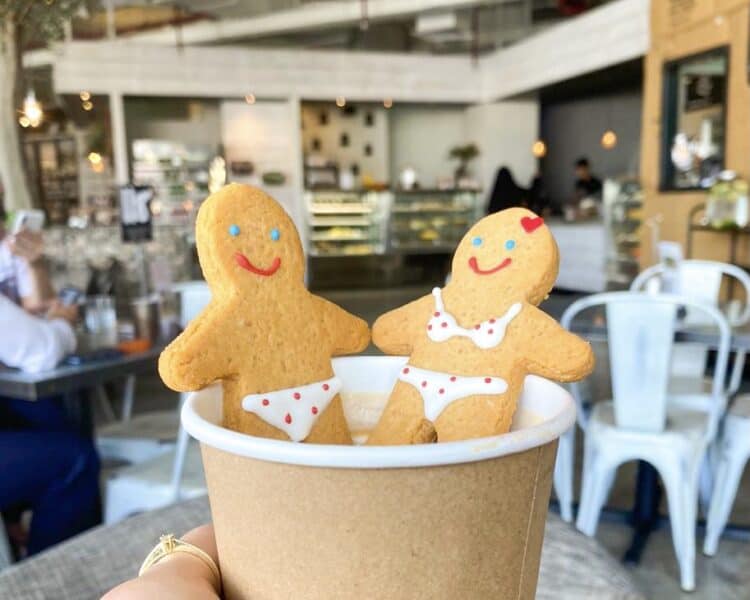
[
  {"x": 264, "y": 335},
  {"x": 471, "y": 344}
]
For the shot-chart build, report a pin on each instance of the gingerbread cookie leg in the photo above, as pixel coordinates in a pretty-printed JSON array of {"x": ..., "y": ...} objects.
[
  {"x": 403, "y": 420},
  {"x": 331, "y": 427}
]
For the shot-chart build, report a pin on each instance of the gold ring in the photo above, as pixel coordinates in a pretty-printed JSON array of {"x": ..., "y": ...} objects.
[{"x": 168, "y": 545}]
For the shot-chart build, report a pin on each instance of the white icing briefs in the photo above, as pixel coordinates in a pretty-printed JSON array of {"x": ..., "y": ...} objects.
[
  {"x": 295, "y": 410},
  {"x": 438, "y": 390},
  {"x": 442, "y": 325}
]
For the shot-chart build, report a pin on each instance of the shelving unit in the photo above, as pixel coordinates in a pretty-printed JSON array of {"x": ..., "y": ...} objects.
[
  {"x": 623, "y": 201},
  {"x": 177, "y": 172},
  {"x": 431, "y": 221},
  {"x": 346, "y": 223},
  {"x": 53, "y": 166}
]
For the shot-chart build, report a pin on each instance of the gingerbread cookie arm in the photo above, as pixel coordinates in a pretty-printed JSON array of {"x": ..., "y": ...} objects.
[
  {"x": 555, "y": 353},
  {"x": 347, "y": 334},
  {"x": 196, "y": 358},
  {"x": 395, "y": 331}
]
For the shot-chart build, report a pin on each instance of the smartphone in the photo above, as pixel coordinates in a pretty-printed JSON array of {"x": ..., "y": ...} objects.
[{"x": 32, "y": 220}]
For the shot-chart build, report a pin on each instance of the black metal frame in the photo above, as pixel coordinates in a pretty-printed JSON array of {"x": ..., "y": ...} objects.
[{"x": 669, "y": 116}]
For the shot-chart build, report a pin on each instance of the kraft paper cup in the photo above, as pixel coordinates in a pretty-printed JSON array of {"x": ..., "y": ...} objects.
[{"x": 459, "y": 520}]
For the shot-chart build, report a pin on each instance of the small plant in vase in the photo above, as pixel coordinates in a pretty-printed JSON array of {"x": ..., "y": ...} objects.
[{"x": 464, "y": 154}]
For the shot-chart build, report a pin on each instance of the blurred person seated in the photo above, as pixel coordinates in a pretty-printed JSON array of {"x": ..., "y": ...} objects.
[
  {"x": 586, "y": 183},
  {"x": 506, "y": 193},
  {"x": 45, "y": 465},
  {"x": 23, "y": 274}
]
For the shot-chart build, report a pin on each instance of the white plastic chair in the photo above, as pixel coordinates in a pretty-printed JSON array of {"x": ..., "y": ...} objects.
[
  {"x": 646, "y": 422},
  {"x": 733, "y": 450},
  {"x": 700, "y": 280},
  {"x": 6, "y": 555},
  {"x": 174, "y": 474}
]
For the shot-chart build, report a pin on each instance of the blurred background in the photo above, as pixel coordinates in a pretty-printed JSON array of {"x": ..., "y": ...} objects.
[{"x": 386, "y": 128}]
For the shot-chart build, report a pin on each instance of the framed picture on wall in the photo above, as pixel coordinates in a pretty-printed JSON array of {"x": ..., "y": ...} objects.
[{"x": 694, "y": 120}]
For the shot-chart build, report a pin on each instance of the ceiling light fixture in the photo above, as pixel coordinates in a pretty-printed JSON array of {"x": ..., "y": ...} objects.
[
  {"x": 388, "y": 102},
  {"x": 609, "y": 139},
  {"x": 340, "y": 101},
  {"x": 32, "y": 110},
  {"x": 539, "y": 149},
  {"x": 87, "y": 105},
  {"x": 84, "y": 95},
  {"x": 250, "y": 98}
]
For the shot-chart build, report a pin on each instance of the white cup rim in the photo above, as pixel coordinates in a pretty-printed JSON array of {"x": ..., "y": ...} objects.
[{"x": 544, "y": 397}]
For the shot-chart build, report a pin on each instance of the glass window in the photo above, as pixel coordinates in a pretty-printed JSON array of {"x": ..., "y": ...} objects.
[{"x": 695, "y": 95}]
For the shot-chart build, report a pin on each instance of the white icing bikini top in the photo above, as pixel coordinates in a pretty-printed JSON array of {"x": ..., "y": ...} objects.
[{"x": 442, "y": 325}]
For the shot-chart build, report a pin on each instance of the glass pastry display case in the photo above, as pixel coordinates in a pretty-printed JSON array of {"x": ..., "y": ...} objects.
[
  {"x": 346, "y": 223},
  {"x": 423, "y": 221}
]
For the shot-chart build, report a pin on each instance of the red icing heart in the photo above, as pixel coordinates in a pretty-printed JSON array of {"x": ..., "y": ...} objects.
[{"x": 529, "y": 224}]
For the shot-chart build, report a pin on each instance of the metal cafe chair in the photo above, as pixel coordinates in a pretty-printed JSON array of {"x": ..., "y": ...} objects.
[{"x": 644, "y": 420}]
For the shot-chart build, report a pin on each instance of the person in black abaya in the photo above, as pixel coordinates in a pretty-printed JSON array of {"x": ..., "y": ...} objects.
[{"x": 506, "y": 193}]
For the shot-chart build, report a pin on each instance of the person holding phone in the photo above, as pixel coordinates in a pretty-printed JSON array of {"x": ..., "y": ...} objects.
[
  {"x": 45, "y": 464},
  {"x": 23, "y": 273}
]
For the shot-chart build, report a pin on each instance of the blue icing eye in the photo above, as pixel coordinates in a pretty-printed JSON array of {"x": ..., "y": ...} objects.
[
  {"x": 234, "y": 230},
  {"x": 477, "y": 241},
  {"x": 510, "y": 244},
  {"x": 275, "y": 234}
]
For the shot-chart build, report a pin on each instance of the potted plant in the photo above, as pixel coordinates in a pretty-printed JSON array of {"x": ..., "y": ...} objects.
[{"x": 464, "y": 154}]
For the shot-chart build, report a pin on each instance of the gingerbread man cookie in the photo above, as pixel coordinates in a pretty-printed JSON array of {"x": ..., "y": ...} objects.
[
  {"x": 471, "y": 344},
  {"x": 264, "y": 335}
]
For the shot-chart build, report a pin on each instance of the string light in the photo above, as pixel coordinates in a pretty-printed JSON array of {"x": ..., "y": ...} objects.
[
  {"x": 340, "y": 101},
  {"x": 94, "y": 158},
  {"x": 388, "y": 102},
  {"x": 609, "y": 139},
  {"x": 87, "y": 105},
  {"x": 24, "y": 121},
  {"x": 32, "y": 110},
  {"x": 84, "y": 95},
  {"x": 250, "y": 98},
  {"x": 539, "y": 149}
]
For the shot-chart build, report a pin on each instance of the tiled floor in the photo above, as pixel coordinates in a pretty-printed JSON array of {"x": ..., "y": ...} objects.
[{"x": 725, "y": 576}]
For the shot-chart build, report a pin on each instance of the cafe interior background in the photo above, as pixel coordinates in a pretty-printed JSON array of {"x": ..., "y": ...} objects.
[{"x": 382, "y": 128}]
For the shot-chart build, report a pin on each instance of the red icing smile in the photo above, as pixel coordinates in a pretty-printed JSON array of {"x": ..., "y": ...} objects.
[
  {"x": 479, "y": 271},
  {"x": 243, "y": 262}
]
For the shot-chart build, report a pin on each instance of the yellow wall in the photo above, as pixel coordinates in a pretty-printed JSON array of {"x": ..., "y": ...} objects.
[{"x": 680, "y": 28}]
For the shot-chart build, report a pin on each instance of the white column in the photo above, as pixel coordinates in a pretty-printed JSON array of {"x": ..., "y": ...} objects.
[{"x": 119, "y": 138}]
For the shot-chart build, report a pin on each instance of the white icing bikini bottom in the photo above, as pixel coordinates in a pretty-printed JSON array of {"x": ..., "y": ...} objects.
[
  {"x": 294, "y": 410},
  {"x": 438, "y": 390}
]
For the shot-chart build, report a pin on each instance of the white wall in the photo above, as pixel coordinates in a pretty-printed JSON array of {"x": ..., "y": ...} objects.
[
  {"x": 266, "y": 134},
  {"x": 421, "y": 136},
  {"x": 504, "y": 132},
  {"x": 376, "y": 165}
]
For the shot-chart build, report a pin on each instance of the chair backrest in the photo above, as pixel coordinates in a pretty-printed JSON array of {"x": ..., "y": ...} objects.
[
  {"x": 640, "y": 329},
  {"x": 194, "y": 297},
  {"x": 699, "y": 280}
]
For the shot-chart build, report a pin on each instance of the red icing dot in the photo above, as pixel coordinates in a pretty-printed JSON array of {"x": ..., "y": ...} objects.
[
  {"x": 441, "y": 390},
  {"x": 429, "y": 327},
  {"x": 288, "y": 419},
  {"x": 314, "y": 410},
  {"x": 437, "y": 314},
  {"x": 487, "y": 380},
  {"x": 492, "y": 320},
  {"x": 297, "y": 395},
  {"x": 477, "y": 326},
  {"x": 443, "y": 324},
  {"x": 405, "y": 371},
  {"x": 265, "y": 402},
  {"x": 326, "y": 387},
  {"x": 491, "y": 331},
  {"x": 453, "y": 378},
  {"x": 424, "y": 384}
]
